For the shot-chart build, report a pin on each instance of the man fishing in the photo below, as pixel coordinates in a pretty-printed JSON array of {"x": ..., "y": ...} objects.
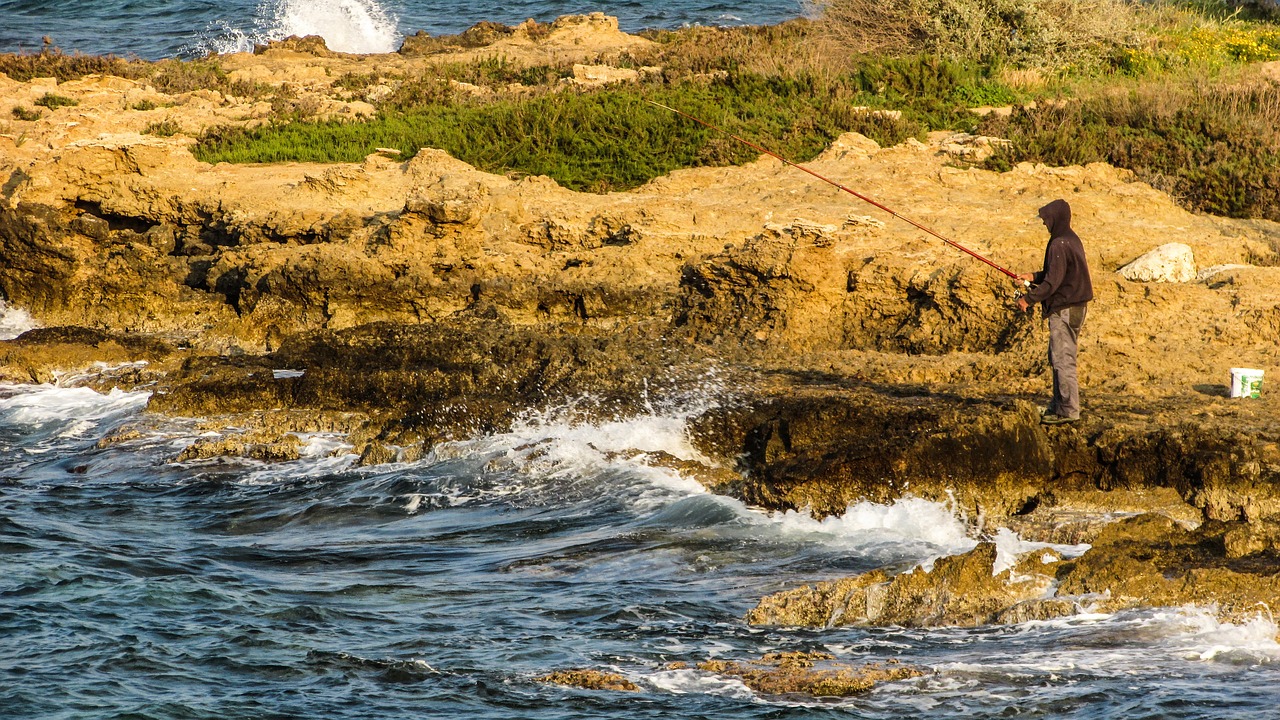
[{"x": 1064, "y": 290}]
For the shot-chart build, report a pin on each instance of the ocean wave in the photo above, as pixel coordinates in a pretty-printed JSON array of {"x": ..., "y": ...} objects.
[
  {"x": 42, "y": 404},
  {"x": 352, "y": 26}
]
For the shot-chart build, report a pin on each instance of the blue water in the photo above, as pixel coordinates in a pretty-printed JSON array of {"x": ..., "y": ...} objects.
[
  {"x": 166, "y": 28},
  {"x": 133, "y": 586}
]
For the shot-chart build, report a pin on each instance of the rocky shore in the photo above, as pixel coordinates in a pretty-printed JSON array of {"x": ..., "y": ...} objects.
[{"x": 405, "y": 301}]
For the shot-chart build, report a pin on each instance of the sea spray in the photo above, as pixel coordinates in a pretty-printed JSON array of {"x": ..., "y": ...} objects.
[
  {"x": 32, "y": 405},
  {"x": 14, "y": 321},
  {"x": 351, "y": 26}
]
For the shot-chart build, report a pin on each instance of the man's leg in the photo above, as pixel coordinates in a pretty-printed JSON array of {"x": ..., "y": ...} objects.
[
  {"x": 1064, "y": 333},
  {"x": 1057, "y": 391}
]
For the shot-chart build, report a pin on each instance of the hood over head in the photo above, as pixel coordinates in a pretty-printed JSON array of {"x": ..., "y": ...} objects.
[{"x": 1057, "y": 217}]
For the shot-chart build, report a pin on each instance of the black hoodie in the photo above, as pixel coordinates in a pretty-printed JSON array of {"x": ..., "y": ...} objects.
[{"x": 1064, "y": 282}]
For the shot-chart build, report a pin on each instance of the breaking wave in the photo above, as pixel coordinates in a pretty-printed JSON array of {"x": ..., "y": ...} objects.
[{"x": 351, "y": 26}]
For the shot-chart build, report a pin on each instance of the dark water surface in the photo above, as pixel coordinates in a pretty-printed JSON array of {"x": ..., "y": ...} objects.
[
  {"x": 165, "y": 28},
  {"x": 136, "y": 587}
]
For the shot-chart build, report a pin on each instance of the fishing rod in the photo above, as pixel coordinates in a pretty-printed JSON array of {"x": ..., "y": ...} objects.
[{"x": 852, "y": 192}]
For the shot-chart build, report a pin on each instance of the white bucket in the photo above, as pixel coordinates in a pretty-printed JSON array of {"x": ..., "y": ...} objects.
[{"x": 1246, "y": 383}]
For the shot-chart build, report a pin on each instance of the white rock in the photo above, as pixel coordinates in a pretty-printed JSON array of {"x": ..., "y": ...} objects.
[{"x": 1174, "y": 262}]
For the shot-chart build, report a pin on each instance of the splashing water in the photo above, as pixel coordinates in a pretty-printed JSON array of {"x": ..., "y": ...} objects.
[
  {"x": 14, "y": 321},
  {"x": 444, "y": 587},
  {"x": 351, "y": 26}
]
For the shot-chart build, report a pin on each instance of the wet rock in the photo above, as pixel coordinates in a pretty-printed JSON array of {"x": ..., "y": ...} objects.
[
  {"x": 1150, "y": 561},
  {"x": 101, "y": 357},
  {"x": 958, "y": 590},
  {"x": 1071, "y": 517},
  {"x": 1143, "y": 562},
  {"x": 254, "y": 446},
  {"x": 418, "y": 385},
  {"x": 824, "y": 448},
  {"x": 809, "y": 673},
  {"x": 1252, "y": 539},
  {"x": 590, "y": 680}
]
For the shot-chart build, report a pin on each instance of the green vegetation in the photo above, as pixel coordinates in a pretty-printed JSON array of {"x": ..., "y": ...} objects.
[
  {"x": 1029, "y": 33},
  {"x": 51, "y": 62},
  {"x": 1214, "y": 147},
  {"x": 144, "y": 105},
  {"x": 54, "y": 101},
  {"x": 1163, "y": 87},
  {"x": 614, "y": 139},
  {"x": 21, "y": 113}
]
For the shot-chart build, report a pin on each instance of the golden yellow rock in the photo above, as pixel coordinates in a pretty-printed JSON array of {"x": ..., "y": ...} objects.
[
  {"x": 590, "y": 680},
  {"x": 815, "y": 674}
]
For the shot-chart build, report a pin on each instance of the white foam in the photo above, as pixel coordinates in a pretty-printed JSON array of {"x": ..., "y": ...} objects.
[
  {"x": 1010, "y": 547},
  {"x": 541, "y": 454},
  {"x": 94, "y": 370},
  {"x": 321, "y": 445},
  {"x": 1198, "y": 634},
  {"x": 14, "y": 321},
  {"x": 686, "y": 682},
  {"x": 352, "y": 26},
  {"x": 39, "y": 404},
  {"x": 909, "y": 519}
]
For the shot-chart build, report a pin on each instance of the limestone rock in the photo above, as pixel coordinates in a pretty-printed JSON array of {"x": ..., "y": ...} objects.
[
  {"x": 1169, "y": 263},
  {"x": 598, "y": 75},
  {"x": 959, "y": 590},
  {"x": 1143, "y": 562},
  {"x": 590, "y": 680},
  {"x": 809, "y": 673}
]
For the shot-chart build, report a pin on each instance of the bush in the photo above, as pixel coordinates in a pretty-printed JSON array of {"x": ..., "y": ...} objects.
[
  {"x": 21, "y": 113},
  {"x": 54, "y": 101},
  {"x": 600, "y": 141},
  {"x": 1023, "y": 32},
  {"x": 1217, "y": 149}
]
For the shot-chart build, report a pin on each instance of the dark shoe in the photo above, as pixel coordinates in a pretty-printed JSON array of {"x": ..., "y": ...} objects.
[{"x": 1052, "y": 419}]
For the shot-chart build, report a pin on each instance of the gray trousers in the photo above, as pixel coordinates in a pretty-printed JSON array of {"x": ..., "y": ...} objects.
[{"x": 1064, "y": 333}]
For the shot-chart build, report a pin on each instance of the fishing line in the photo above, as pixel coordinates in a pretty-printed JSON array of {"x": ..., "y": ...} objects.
[{"x": 851, "y": 191}]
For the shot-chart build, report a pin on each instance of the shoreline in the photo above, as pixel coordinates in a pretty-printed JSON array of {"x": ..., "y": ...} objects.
[
  {"x": 425, "y": 300},
  {"x": 261, "y": 31}
]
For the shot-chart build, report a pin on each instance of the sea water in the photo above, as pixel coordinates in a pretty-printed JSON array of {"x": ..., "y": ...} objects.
[
  {"x": 154, "y": 29},
  {"x": 137, "y": 586}
]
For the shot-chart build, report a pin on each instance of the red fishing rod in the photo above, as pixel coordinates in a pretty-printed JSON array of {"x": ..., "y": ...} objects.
[{"x": 852, "y": 192}]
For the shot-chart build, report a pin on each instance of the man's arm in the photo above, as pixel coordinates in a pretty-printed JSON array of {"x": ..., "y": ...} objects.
[{"x": 1048, "y": 280}]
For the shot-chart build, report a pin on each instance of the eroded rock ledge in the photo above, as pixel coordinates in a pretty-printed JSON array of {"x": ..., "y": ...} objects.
[{"x": 1143, "y": 562}]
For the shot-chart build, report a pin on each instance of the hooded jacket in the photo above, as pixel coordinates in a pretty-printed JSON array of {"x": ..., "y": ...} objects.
[{"x": 1065, "y": 281}]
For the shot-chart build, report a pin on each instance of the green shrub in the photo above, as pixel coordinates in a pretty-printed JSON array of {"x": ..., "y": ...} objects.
[
  {"x": 606, "y": 140},
  {"x": 21, "y": 113},
  {"x": 144, "y": 105},
  {"x": 54, "y": 101},
  {"x": 1216, "y": 149}
]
